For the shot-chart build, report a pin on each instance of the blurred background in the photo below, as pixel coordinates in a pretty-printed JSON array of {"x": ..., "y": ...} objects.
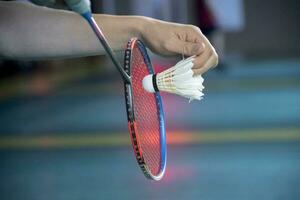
[{"x": 63, "y": 130}]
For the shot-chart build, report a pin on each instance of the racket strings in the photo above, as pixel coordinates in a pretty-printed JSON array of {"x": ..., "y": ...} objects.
[{"x": 145, "y": 111}]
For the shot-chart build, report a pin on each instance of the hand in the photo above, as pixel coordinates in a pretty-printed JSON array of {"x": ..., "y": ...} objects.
[{"x": 166, "y": 38}]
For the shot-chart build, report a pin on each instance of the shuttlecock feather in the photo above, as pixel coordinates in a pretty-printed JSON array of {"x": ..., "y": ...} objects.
[{"x": 178, "y": 79}]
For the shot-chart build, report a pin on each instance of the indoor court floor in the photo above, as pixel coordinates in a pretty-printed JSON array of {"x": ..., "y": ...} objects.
[{"x": 242, "y": 141}]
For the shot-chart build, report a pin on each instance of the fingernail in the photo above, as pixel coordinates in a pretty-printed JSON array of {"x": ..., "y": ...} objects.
[{"x": 202, "y": 46}]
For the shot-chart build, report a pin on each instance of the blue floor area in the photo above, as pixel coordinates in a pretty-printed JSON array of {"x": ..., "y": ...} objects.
[
  {"x": 217, "y": 171},
  {"x": 249, "y": 95},
  {"x": 69, "y": 114},
  {"x": 246, "y": 95}
]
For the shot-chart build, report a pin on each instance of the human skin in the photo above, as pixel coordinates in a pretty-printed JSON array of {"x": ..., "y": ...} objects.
[{"x": 33, "y": 32}]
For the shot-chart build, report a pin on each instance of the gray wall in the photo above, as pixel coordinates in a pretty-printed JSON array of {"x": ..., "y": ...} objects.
[{"x": 272, "y": 29}]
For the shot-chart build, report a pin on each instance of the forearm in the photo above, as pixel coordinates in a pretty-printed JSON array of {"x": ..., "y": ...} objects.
[{"x": 33, "y": 32}]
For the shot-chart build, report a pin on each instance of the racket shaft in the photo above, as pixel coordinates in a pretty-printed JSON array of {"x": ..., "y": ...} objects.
[
  {"x": 107, "y": 48},
  {"x": 82, "y": 7}
]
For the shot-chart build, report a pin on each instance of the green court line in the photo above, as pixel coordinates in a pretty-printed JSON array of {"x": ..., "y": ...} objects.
[{"x": 122, "y": 139}]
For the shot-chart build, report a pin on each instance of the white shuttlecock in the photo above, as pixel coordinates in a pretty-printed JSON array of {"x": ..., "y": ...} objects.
[{"x": 178, "y": 79}]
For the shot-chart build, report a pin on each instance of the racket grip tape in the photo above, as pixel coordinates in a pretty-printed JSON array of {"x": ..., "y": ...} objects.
[{"x": 79, "y": 6}]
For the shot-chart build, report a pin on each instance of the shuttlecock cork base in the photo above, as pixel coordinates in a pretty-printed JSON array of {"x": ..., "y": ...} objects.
[{"x": 178, "y": 79}]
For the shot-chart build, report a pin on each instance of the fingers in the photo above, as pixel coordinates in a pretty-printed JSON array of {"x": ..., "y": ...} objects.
[
  {"x": 190, "y": 49},
  {"x": 206, "y": 55},
  {"x": 203, "y": 64},
  {"x": 208, "y": 59},
  {"x": 201, "y": 59},
  {"x": 186, "y": 48},
  {"x": 189, "y": 40}
]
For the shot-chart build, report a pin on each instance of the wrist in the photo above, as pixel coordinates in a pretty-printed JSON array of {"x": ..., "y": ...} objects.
[
  {"x": 144, "y": 27},
  {"x": 139, "y": 26},
  {"x": 121, "y": 28}
]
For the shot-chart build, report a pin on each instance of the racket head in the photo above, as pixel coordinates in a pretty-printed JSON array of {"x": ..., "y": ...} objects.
[{"x": 144, "y": 113}]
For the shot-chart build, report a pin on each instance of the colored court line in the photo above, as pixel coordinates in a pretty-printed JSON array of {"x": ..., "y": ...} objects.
[{"x": 122, "y": 139}]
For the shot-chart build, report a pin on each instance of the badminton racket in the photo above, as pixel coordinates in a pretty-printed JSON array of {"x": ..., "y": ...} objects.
[{"x": 144, "y": 110}]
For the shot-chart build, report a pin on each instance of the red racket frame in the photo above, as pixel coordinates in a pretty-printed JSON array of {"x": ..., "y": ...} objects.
[{"x": 132, "y": 124}]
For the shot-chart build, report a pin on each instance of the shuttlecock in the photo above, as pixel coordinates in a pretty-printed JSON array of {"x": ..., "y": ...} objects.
[{"x": 178, "y": 79}]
